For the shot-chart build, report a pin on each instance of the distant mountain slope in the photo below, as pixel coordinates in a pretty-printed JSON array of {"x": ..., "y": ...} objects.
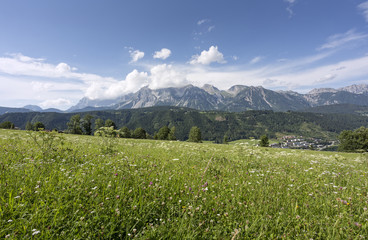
[
  {"x": 213, "y": 124},
  {"x": 11, "y": 110},
  {"x": 339, "y": 108},
  {"x": 236, "y": 99}
]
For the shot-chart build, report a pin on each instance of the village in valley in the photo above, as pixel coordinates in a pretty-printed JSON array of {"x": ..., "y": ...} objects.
[{"x": 300, "y": 142}]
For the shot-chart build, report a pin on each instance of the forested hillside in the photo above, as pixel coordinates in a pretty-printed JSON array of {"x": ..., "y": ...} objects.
[{"x": 213, "y": 124}]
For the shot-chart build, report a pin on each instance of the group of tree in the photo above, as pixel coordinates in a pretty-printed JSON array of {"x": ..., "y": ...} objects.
[
  {"x": 35, "y": 126},
  {"x": 165, "y": 133},
  {"x": 7, "y": 125},
  {"x": 354, "y": 141}
]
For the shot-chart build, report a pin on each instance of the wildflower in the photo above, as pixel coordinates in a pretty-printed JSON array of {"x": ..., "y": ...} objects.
[
  {"x": 35, "y": 232},
  {"x": 151, "y": 183},
  {"x": 357, "y": 224},
  {"x": 10, "y": 220}
]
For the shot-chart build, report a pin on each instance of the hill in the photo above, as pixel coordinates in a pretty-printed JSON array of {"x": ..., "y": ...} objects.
[
  {"x": 214, "y": 124},
  {"x": 339, "y": 108}
]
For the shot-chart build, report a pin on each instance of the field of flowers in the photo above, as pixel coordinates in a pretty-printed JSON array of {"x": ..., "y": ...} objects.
[{"x": 55, "y": 186}]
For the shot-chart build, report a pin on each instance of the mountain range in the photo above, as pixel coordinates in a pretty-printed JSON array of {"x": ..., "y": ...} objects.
[{"x": 236, "y": 99}]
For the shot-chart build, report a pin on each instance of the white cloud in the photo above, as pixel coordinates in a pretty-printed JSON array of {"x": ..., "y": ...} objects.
[
  {"x": 208, "y": 57},
  {"x": 162, "y": 54},
  {"x": 200, "y": 22},
  {"x": 163, "y": 76},
  {"x": 210, "y": 28},
  {"x": 364, "y": 7},
  {"x": 160, "y": 76},
  {"x": 60, "y": 103},
  {"x": 256, "y": 60},
  {"x": 136, "y": 55},
  {"x": 289, "y": 8},
  {"x": 338, "y": 40}
]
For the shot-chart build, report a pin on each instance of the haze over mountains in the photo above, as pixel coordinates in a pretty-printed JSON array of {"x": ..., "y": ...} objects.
[{"x": 235, "y": 99}]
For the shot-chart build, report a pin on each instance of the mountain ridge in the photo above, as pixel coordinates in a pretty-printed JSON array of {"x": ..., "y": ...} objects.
[{"x": 235, "y": 99}]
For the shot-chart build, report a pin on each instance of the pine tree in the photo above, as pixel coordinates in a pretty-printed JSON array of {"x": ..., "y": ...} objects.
[{"x": 195, "y": 135}]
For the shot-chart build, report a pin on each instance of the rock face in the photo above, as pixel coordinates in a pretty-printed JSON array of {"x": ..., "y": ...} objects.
[{"x": 236, "y": 98}]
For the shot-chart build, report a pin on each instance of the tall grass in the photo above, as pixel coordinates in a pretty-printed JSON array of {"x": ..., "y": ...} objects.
[{"x": 147, "y": 189}]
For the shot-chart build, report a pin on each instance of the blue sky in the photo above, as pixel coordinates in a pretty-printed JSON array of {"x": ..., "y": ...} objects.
[{"x": 53, "y": 53}]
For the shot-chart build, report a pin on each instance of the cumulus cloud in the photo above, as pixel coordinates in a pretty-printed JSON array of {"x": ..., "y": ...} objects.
[
  {"x": 338, "y": 40},
  {"x": 159, "y": 76},
  {"x": 164, "y": 75},
  {"x": 208, "y": 57},
  {"x": 162, "y": 54},
  {"x": 136, "y": 55},
  {"x": 364, "y": 8}
]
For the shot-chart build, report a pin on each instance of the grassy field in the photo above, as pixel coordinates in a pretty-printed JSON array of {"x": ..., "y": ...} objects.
[{"x": 83, "y": 187}]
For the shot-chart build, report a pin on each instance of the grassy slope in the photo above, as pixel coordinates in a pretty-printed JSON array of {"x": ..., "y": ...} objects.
[{"x": 177, "y": 190}]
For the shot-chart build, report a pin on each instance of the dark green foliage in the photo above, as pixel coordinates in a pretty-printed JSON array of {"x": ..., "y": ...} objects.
[
  {"x": 213, "y": 124},
  {"x": 139, "y": 133},
  {"x": 225, "y": 140},
  {"x": 124, "y": 132},
  {"x": 99, "y": 123},
  {"x": 110, "y": 123},
  {"x": 87, "y": 124},
  {"x": 74, "y": 125},
  {"x": 163, "y": 133},
  {"x": 171, "y": 135},
  {"x": 29, "y": 126},
  {"x": 264, "y": 142},
  {"x": 195, "y": 135},
  {"x": 38, "y": 126},
  {"x": 353, "y": 141},
  {"x": 7, "y": 125}
]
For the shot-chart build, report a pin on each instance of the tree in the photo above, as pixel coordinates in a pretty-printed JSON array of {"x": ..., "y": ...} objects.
[
  {"x": 264, "y": 142},
  {"x": 99, "y": 123},
  {"x": 7, "y": 125},
  {"x": 110, "y": 123},
  {"x": 87, "y": 124},
  {"x": 225, "y": 140},
  {"x": 352, "y": 141},
  {"x": 38, "y": 125},
  {"x": 139, "y": 133},
  {"x": 124, "y": 132},
  {"x": 74, "y": 125},
  {"x": 195, "y": 135},
  {"x": 29, "y": 126},
  {"x": 172, "y": 136},
  {"x": 163, "y": 133}
]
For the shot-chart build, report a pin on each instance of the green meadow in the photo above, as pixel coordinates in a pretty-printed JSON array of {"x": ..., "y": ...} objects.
[{"x": 57, "y": 186}]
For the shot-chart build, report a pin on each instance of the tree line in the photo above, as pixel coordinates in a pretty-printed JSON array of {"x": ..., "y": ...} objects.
[{"x": 78, "y": 125}]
